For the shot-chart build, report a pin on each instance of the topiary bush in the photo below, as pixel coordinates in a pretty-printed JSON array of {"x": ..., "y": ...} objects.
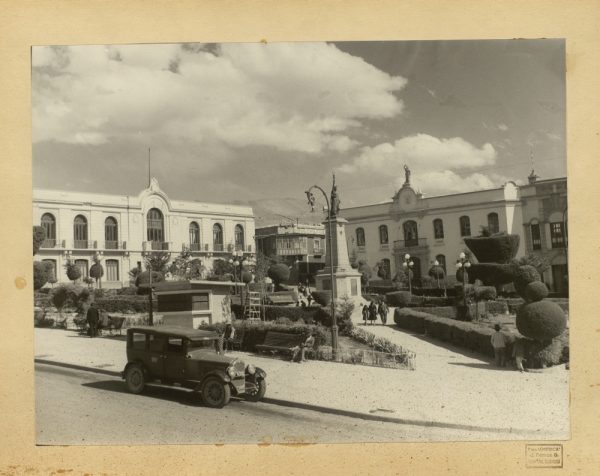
[
  {"x": 399, "y": 298},
  {"x": 541, "y": 320},
  {"x": 279, "y": 273},
  {"x": 535, "y": 291},
  {"x": 498, "y": 248},
  {"x": 322, "y": 297},
  {"x": 523, "y": 276}
]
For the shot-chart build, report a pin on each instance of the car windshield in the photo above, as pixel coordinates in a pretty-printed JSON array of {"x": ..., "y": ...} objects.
[{"x": 201, "y": 344}]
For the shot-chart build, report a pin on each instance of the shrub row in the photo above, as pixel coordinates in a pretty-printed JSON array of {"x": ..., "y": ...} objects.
[
  {"x": 380, "y": 344},
  {"x": 293, "y": 313},
  {"x": 124, "y": 304},
  {"x": 255, "y": 332},
  {"x": 463, "y": 334},
  {"x": 477, "y": 337},
  {"x": 405, "y": 299}
]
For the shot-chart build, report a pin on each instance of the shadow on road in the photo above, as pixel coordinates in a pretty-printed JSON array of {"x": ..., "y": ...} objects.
[{"x": 482, "y": 366}]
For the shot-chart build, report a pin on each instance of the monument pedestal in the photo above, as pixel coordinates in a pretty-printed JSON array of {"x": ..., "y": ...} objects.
[{"x": 346, "y": 280}]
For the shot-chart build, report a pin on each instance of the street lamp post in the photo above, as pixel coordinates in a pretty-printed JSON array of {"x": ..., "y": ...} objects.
[
  {"x": 464, "y": 263},
  {"x": 408, "y": 265},
  {"x": 436, "y": 263},
  {"x": 150, "y": 310},
  {"x": 330, "y": 214}
]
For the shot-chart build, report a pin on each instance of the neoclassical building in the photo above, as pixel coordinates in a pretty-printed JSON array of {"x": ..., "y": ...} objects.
[
  {"x": 434, "y": 228},
  {"x": 120, "y": 229}
]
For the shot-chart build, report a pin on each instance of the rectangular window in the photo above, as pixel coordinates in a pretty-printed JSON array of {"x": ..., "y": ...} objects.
[
  {"x": 557, "y": 235},
  {"x": 82, "y": 264},
  {"x": 138, "y": 341},
  {"x": 317, "y": 245},
  {"x": 200, "y": 302},
  {"x": 175, "y": 345},
  {"x": 112, "y": 270},
  {"x": 536, "y": 237},
  {"x": 156, "y": 343}
]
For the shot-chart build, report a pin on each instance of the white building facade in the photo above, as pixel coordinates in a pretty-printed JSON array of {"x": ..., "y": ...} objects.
[
  {"x": 430, "y": 229},
  {"x": 121, "y": 229}
]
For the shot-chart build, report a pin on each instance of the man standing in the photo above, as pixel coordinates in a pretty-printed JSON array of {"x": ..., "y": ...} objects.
[
  {"x": 499, "y": 345},
  {"x": 92, "y": 318}
]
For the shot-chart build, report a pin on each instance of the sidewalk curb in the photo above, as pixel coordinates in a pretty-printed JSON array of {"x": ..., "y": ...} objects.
[{"x": 321, "y": 409}]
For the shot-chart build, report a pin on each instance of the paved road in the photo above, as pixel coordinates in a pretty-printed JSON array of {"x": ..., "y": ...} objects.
[{"x": 79, "y": 407}]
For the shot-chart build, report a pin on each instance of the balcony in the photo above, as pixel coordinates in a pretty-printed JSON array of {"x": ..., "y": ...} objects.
[
  {"x": 218, "y": 247},
  {"x": 193, "y": 247},
  {"x": 414, "y": 243},
  {"x": 115, "y": 245},
  {"x": 156, "y": 246},
  {"x": 85, "y": 245},
  {"x": 49, "y": 243}
]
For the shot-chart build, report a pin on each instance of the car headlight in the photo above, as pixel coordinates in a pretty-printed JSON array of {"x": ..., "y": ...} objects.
[
  {"x": 231, "y": 372},
  {"x": 251, "y": 369}
]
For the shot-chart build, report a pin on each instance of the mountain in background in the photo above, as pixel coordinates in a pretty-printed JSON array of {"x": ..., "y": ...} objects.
[{"x": 275, "y": 211}]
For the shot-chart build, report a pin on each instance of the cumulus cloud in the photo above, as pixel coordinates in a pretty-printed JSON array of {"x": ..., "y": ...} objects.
[
  {"x": 437, "y": 165},
  {"x": 303, "y": 97}
]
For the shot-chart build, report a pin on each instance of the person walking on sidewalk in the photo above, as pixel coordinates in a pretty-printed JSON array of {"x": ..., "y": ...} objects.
[
  {"x": 499, "y": 345},
  {"x": 519, "y": 353},
  {"x": 383, "y": 311},
  {"x": 373, "y": 312},
  {"x": 92, "y": 318},
  {"x": 365, "y": 312}
]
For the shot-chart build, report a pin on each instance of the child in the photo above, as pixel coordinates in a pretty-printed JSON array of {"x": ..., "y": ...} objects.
[
  {"x": 499, "y": 346},
  {"x": 519, "y": 354}
]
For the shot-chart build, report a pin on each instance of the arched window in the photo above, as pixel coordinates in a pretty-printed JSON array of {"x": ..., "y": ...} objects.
[
  {"x": 49, "y": 225},
  {"x": 493, "y": 223},
  {"x": 111, "y": 234},
  {"x": 217, "y": 237},
  {"x": 383, "y": 234},
  {"x": 80, "y": 232},
  {"x": 155, "y": 228},
  {"x": 411, "y": 234},
  {"x": 360, "y": 237},
  {"x": 438, "y": 229},
  {"x": 82, "y": 264},
  {"x": 239, "y": 237},
  {"x": 112, "y": 270},
  {"x": 441, "y": 259},
  {"x": 194, "y": 236},
  {"x": 465, "y": 226}
]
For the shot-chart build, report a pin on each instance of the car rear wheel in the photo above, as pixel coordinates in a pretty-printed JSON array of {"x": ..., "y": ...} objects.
[
  {"x": 135, "y": 378},
  {"x": 215, "y": 393},
  {"x": 254, "y": 393}
]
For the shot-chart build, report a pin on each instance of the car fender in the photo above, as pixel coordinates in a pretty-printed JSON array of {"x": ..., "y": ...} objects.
[
  {"x": 260, "y": 373},
  {"x": 220, "y": 374}
]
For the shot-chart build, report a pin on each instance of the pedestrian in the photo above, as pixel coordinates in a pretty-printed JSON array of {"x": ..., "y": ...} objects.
[
  {"x": 365, "y": 312},
  {"x": 373, "y": 311},
  {"x": 228, "y": 336},
  {"x": 519, "y": 353},
  {"x": 92, "y": 317},
  {"x": 383, "y": 311},
  {"x": 499, "y": 345},
  {"x": 301, "y": 349}
]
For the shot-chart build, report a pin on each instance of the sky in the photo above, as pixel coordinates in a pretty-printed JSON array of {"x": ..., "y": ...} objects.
[{"x": 241, "y": 122}]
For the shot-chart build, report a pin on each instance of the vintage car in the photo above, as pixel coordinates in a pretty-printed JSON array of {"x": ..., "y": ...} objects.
[{"x": 192, "y": 359}]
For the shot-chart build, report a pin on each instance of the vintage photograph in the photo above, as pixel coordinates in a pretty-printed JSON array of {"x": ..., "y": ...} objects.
[{"x": 300, "y": 242}]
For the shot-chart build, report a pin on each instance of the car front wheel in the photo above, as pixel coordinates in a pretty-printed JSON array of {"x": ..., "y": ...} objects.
[
  {"x": 215, "y": 393},
  {"x": 254, "y": 393},
  {"x": 135, "y": 378}
]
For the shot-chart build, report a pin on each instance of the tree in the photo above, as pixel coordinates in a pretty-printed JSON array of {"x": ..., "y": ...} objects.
[
  {"x": 157, "y": 261},
  {"x": 222, "y": 267},
  {"x": 97, "y": 271},
  {"x": 134, "y": 273},
  {"x": 39, "y": 235},
  {"x": 263, "y": 262},
  {"x": 498, "y": 248},
  {"x": 538, "y": 262},
  {"x": 142, "y": 281},
  {"x": 186, "y": 267},
  {"x": 73, "y": 271},
  {"x": 42, "y": 273}
]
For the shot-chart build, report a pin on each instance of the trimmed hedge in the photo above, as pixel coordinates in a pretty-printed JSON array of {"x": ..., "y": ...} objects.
[
  {"x": 322, "y": 297},
  {"x": 124, "y": 304},
  {"x": 541, "y": 320},
  {"x": 255, "y": 332},
  {"x": 491, "y": 274},
  {"x": 535, "y": 291},
  {"x": 523, "y": 276},
  {"x": 293, "y": 313},
  {"x": 500, "y": 248}
]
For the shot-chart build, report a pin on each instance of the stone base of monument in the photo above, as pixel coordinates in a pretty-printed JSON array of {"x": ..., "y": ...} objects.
[{"x": 346, "y": 283}]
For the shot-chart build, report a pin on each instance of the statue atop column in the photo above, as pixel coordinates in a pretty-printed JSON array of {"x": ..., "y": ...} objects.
[
  {"x": 335, "y": 201},
  {"x": 406, "y": 175}
]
